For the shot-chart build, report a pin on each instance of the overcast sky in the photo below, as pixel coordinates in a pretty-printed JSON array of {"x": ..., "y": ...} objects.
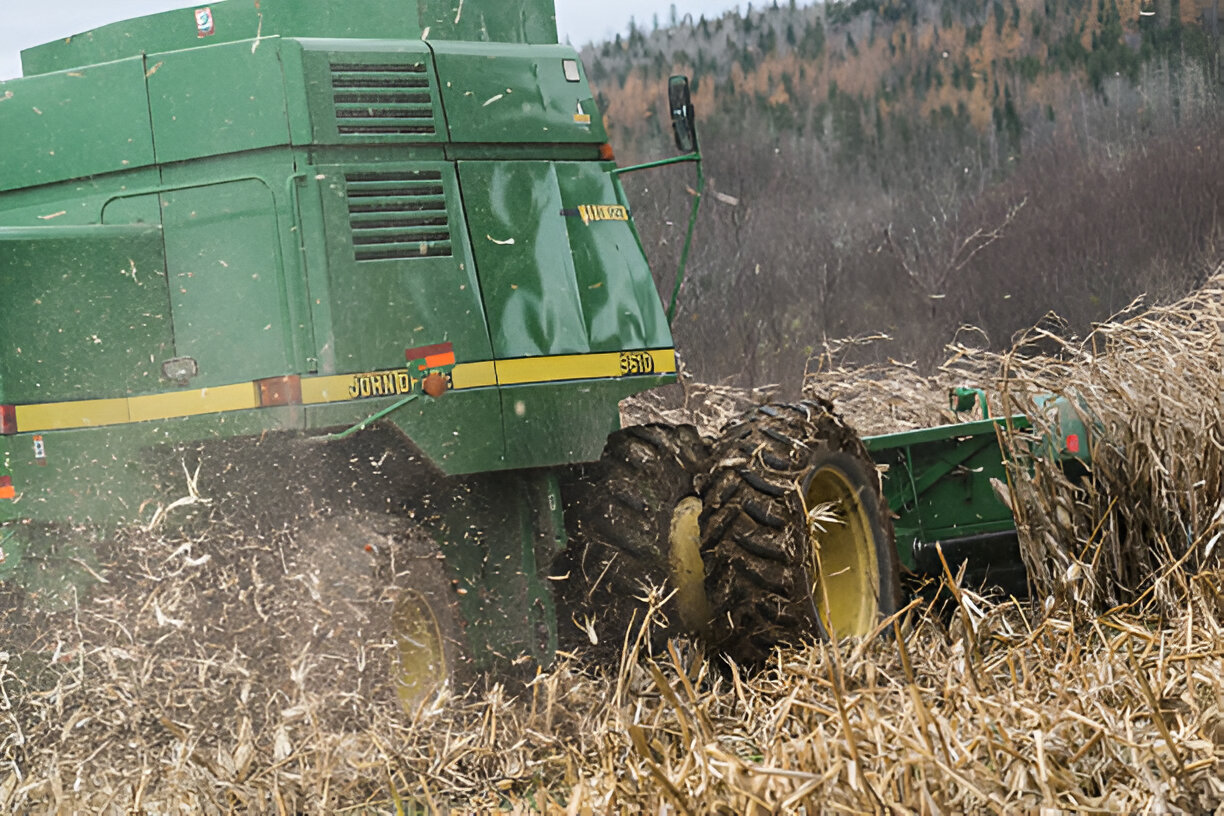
[{"x": 582, "y": 21}]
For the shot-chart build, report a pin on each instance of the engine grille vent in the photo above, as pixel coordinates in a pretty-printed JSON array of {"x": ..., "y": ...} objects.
[
  {"x": 383, "y": 99},
  {"x": 398, "y": 215}
]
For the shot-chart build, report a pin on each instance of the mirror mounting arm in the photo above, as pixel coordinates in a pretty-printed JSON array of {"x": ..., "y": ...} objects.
[
  {"x": 695, "y": 158},
  {"x": 685, "y": 127}
]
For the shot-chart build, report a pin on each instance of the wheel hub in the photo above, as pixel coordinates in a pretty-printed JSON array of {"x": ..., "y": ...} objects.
[
  {"x": 843, "y": 564},
  {"x": 420, "y": 659},
  {"x": 687, "y": 569}
]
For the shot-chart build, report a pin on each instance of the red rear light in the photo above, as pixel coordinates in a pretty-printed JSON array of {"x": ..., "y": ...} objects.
[
  {"x": 8, "y": 420},
  {"x": 280, "y": 391},
  {"x": 1073, "y": 445},
  {"x": 606, "y": 153},
  {"x": 6, "y": 488}
]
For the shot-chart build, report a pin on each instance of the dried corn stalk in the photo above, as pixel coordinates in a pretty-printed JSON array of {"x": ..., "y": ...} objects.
[{"x": 1148, "y": 388}]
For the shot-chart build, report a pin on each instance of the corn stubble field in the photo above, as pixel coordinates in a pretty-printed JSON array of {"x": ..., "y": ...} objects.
[{"x": 172, "y": 689}]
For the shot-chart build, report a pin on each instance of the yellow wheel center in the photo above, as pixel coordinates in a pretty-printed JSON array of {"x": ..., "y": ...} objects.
[
  {"x": 687, "y": 569},
  {"x": 420, "y": 659},
  {"x": 842, "y": 566}
]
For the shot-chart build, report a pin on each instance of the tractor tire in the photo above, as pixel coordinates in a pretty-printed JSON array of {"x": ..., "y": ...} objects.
[
  {"x": 632, "y": 521},
  {"x": 775, "y": 576},
  {"x": 377, "y": 619}
]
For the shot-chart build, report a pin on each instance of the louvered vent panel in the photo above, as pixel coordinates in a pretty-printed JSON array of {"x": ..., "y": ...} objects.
[
  {"x": 398, "y": 215},
  {"x": 383, "y": 99}
]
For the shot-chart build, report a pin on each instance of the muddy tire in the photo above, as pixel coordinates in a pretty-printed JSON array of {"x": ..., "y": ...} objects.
[
  {"x": 768, "y": 572},
  {"x": 620, "y": 513},
  {"x": 374, "y": 617}
]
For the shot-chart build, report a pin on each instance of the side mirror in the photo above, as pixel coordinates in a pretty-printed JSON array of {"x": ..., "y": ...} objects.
[{"x": 683, "y": 122}]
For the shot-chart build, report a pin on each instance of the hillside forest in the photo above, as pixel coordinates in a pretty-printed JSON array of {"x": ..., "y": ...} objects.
[{"x": 922, "y": 170}]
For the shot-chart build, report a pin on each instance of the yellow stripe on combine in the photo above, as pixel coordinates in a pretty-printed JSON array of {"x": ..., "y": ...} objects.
[
  {"x": 584, "y": 366},
  {"x": 332, "y": 388},
  {"x": 54, "y": 416},
  {"x": 213, "y": 400},
  {"x": 473, "y": 375},
  {"x": 549, "y": 369}
]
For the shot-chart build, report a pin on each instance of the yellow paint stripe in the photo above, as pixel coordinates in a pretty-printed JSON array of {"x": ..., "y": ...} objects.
[
  {"x": 335, "y": 388},
  {"x": 664, "y": 360},
  {"x": 54, "y": 416},
  {"x": 549, "y": 369},
  {"x": 213, "y": 400},
  {"x": 575, "y": 367},
  {"x": 474, "y": 375},
  {"x": 320, "y": 390}
]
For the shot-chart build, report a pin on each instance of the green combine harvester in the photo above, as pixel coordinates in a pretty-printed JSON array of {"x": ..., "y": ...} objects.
[{"x": 365, "y": 270}]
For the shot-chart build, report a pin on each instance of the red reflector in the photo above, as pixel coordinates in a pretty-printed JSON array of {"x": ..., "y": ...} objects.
[
  {"x": 1073, "y": 445},
  {"x": 280, "y": 391},
  {"x": 439, "y": 360},
  {"x": 6, "y": 488},
  {"x": 606, "y": 153},
  {"x": 425, "y": 352},
  {"x": 8, "y": 420}
]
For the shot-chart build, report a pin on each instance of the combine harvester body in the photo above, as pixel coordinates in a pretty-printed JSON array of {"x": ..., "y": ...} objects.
[{"x": 261, "y": 233}]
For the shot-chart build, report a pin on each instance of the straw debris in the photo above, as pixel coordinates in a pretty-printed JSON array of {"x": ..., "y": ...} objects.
[
  {"x": 1150, "y": 511},
  {"x": 205, "y": 676},
  {"x": 1115, "y": 714}
]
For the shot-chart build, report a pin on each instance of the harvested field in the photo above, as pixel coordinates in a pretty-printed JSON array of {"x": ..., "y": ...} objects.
[
  {"x": 999, "y": 712},
  {"x": 206, "y": 677}
]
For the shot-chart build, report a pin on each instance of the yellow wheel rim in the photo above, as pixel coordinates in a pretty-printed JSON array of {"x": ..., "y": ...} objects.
[
  {"x": 420, "y": 659},
  {"x": 843, "y": 565},
  {"x": 687, "y": 569}
]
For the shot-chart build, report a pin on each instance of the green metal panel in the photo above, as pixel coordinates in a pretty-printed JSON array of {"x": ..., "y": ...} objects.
[
  {"x": 459, "y": 432},
  {"x": 279, "y": 173},
  {"x": 74, "y": 123},
  {"x": 372, "y": 92},
  {"x": 135, "y": 209},
  {"x": 51, "y": 567},
  {"x": 542, "y": 424},
  {"x": 84, "y": 312},
  {"x": 508, "y": 93},
  {"x": 557, "y": 424},
  {"x": 499, "y": 533},
  {"x": 74, "y": 483},
  {"x": 937, "y": 481},
  {"x": 519, "y": 21},
  {"x": 943, "y": 433},
  {"x": 333, "y": 255},
  {"x": 356, "y": 19},
  {"x": 221, "y": 253},
  {"x": 554, "y": 282},
  {"x": 523, "y": 256},
  {"x": 231, "y": 21},
  {"x": 620, "y": 304},
  {"x": 297, "y": 103},
  {"x": 399, "y": 273},
  {"x": 1068, "y": 438},
  {"x": 168, "y": 31},
  {"x": 71, "y": 203},
  {"x": 81, "y": 482},
  {"x": 219, "y": 99}
]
